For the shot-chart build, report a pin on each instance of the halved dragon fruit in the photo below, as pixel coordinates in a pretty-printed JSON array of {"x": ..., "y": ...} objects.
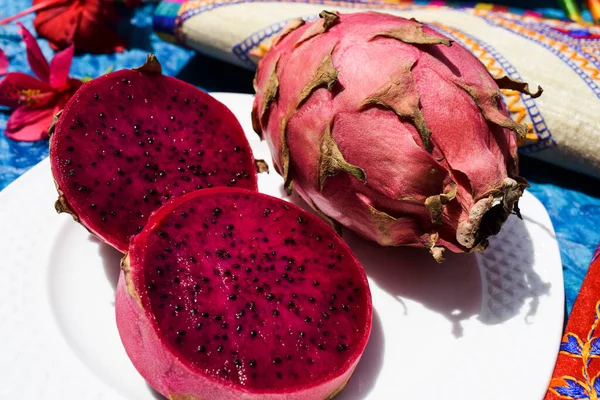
[
  {"x": 230, "y": 294},
  {"x": 129, "y": 141}
]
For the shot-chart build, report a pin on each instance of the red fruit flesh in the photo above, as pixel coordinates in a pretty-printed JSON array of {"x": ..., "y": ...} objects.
[
  {"x": 129, "y": 141},
  {"x": 229, "y": 293}
]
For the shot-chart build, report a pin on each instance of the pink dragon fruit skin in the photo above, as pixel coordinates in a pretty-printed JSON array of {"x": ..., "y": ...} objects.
[{"x": 389, "y": 128}]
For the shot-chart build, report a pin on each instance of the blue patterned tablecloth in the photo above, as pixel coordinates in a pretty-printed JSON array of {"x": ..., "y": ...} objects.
[{"x": 572, "y": 200}]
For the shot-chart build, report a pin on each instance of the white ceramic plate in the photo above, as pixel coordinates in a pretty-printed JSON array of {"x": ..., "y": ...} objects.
[{"x": 478, "y": 327}]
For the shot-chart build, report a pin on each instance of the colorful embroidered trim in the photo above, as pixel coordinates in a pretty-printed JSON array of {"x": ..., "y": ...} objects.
[
  {"x": 254, "y": 47},
  {"x": 195, "y": 7},
  {"x": 570, "y": 387},
  {"x": 170, "y": 14},
  {"x": 577, "y": 371},
  {"x": 584, "y": 62},
  {"x": 165, "y": 20}
]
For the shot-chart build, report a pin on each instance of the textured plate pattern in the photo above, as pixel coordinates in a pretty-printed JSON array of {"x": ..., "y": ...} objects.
[{"x": 508, "y": 274}]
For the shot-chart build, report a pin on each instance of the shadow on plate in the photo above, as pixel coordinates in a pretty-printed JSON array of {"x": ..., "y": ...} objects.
[
  {"x": 452, "y": 289},
  {"x": 493, "y": 285},
  {"x": 509, "y": 280},
  {"x": 111, "y": 261}
]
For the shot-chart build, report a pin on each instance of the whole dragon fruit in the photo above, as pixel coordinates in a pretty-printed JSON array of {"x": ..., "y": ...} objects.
[{"x": 387, "y": 127}]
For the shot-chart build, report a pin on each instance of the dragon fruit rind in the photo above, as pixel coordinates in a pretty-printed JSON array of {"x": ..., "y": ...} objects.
[
  {"x": 389, "y": 128},
  {"x": 233, "y": 294}
]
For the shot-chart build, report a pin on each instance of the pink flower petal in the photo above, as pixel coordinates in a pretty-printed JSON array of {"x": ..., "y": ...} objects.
[
  {"x": 3, "y": 62},
  {"x": 37, "y": 61},
  {"x": 29, "y": 125},
  {"x": 59, "y": 67},
  {"x": 18, "y": 88}
]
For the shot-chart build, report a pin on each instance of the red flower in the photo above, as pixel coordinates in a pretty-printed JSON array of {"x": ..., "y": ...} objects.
[
  {"x": 88, "y": 24},
  {"x": 35, "y": 101}
]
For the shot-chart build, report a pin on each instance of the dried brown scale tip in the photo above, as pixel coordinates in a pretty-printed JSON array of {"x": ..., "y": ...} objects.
[
  {"x": 435, "y": 204},
  {"x": 325, "y": 75},
  {"x": 54, "y": 121},
  {"x": 328, "y": 19},
  {"x": 487, "y": 102},
  {"x": 382, "y": 221},
  {"x": 401, "y": 96},
  {"x": 151, "y": 66},
  {"x": 506, "y": 82},
  {"x": 261, "y": 166},
  {"x": 413, "y": 34},
  {"x": 437, "y": 253},
  {"x": 284, "y": 157},
  {"x": 288, "y": 185},
  {"x": 256, "y": 122},
  {"x": 489, "y": 213},
  {"x": 271, "y": 90},
  {"x": 287, "y": 29},
  {"x": 332, "y": 162},
  {"x": 61, "y": 206}
]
